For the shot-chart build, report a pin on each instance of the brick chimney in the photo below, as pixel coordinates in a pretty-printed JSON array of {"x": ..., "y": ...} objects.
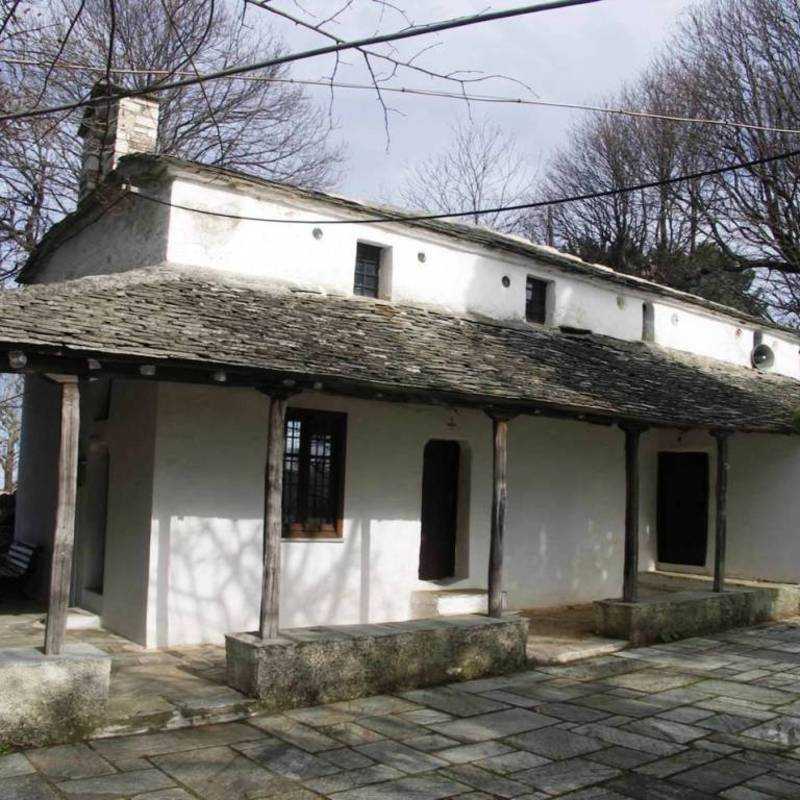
[{"x": 113, "y": 129}]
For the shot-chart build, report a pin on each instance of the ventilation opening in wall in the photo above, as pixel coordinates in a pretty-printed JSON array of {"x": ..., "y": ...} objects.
[{"x": 648, "y": 323}]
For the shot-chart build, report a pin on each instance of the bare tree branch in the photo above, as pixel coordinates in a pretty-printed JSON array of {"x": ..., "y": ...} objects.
[
  {"x": 389, "y": 57},
  {"x": 268, "y": 128},
  {"x": 481, "y": 166}
]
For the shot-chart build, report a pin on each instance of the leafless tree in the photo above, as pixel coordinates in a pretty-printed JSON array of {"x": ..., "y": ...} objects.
[
  {"x": 633, "y": 231},
  {"x": 741, "y": 60},
  {"x": 258, "y": 125},
  {"x": 11, "y": 388},
  {"x": 710, "y": 236},
  {"x": 480, "y": 166}
]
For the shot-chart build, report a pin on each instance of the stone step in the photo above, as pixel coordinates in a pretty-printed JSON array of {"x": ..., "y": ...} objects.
[
  {"x": 548, "y": 651},
  {"x": 195, "y": 714}
]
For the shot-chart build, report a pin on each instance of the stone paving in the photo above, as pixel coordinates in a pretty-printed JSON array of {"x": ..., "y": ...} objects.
[
  {"x": 710, "y": 717},
  {"x": 170, "y": 688},
  {"x": 150, "y": 689}
]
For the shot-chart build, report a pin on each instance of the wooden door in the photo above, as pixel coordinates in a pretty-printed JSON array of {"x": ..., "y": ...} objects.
[
  {"x": 683, "y": 508},
  {"x": 437, "y": 554}
]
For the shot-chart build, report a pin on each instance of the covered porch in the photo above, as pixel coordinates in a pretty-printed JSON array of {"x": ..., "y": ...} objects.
[{"x": 503, "y": 379}]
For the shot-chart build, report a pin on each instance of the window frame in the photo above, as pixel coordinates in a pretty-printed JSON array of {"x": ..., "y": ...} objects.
[
  {"x": 379, "y": 252},
  {"x": 547, "y": 286},
  {"x": 304, "y": 530}
]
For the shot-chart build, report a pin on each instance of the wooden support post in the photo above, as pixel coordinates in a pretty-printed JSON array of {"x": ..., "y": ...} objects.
[
  {"x": 64, "y": 534},
  {"x": 722, "y": 509},
  {"x": 499, "y": 497},
  {"x": 630, "y": 588},
  {"x": 273, "y": 520}
]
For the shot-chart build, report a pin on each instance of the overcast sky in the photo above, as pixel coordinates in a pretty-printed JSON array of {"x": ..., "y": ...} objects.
[{"x": 573, "y": 54}]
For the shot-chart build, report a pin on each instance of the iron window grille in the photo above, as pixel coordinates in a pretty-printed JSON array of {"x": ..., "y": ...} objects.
[{"x": 313, "y": 474}]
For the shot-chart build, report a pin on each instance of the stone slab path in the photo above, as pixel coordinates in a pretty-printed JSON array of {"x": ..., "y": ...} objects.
[{"x": 710, "y": 717}]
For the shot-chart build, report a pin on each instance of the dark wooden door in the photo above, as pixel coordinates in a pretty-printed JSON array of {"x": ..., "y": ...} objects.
[
  {"x": 683, "y": 508},
  {"x": 437, "y": 553}
]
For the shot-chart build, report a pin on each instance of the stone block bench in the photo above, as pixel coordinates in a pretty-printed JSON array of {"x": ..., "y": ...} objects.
[
  {"x": 683, "y": 614},
  {"x": 312, "y": 666},
  {"x": 48, "y": 699}
]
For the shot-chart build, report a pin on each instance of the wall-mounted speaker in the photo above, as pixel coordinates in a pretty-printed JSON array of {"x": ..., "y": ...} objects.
[{"x": 763, "y": 356}]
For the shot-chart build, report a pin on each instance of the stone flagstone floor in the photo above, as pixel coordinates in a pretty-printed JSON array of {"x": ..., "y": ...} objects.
[
  {"x": 172, "y": 688},
  {"x": 711, "y": 717}
]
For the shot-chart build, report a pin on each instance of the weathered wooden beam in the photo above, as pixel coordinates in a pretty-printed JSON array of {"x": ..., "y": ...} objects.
[
  {"x": 499, "y": 500},
  {"x": 630, "y": 575},
  {"x": 64, "y": 533},
  {"x": 720, "y": 542},
  {"x": 273, "y": 519}
]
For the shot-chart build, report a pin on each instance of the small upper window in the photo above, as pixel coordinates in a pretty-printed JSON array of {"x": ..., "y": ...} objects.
[
  {"x": 536, "y": 292},
  {"x": 368, "y": 266},
  {"x": 648, "y": 322}
]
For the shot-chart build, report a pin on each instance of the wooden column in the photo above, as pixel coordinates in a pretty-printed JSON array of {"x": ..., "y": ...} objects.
[
  {"x": 499, "y": 497},
  {"x": 273, "y": 519},
  {"x": 722, "y": 509},
  {"x": 630, "y": 588},
  {"x": 64, "y": 534}
]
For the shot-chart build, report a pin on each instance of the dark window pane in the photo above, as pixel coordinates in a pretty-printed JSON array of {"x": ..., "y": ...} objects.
[
  {"x": 536, "y": 300},
  {"x": 368, "y": 264},
  {"x": 313, "y": 473}
]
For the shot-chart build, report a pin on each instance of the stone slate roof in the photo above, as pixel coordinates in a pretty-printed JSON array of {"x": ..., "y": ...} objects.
[{"x": 194, "y": 318}]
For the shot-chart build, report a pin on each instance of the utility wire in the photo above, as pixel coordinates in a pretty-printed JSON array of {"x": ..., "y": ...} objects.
[
  {"x": 406, "y": 33},
  {"x": 401, "y": 217},
  {"x": 9, "y": 16},
  {"x": 408, "y": 90}
]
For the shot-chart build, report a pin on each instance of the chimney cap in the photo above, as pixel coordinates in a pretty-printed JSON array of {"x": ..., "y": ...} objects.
[{"x": 104, "y": 88}]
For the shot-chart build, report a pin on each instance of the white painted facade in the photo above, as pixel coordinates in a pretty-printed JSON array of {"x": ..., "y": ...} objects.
[
  {"x": 458, "y": 276},
  {"x": 183, "y": 532},
  {"x": 184, "y": 538}
]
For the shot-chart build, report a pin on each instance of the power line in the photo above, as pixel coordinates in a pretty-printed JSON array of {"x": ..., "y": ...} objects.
[
  {"x": 462, "y": 96},
  {"x": 406, "y": 33},
  {"x": 401, "y": 217}
]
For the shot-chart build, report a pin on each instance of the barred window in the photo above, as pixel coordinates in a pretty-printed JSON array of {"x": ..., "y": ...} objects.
[
  {"x": 313, "y": 474},
  {"x": 368, "y": 265}
]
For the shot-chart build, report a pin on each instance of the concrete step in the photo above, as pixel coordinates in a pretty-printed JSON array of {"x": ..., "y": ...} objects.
[
  {"x": 448, "y": 602},
  {"x": 78, "y": 619}
]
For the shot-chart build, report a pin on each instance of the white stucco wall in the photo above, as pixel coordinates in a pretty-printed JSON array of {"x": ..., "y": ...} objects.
[
  {"x": 564, "y": 532},
  {"x": 459, "y": 276},
  {"x": 565, "y": 521},
  {"x": 763, "y": 538},
  {"x": 131, "y": 234},
  {"x": 131, "y": 443}
]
